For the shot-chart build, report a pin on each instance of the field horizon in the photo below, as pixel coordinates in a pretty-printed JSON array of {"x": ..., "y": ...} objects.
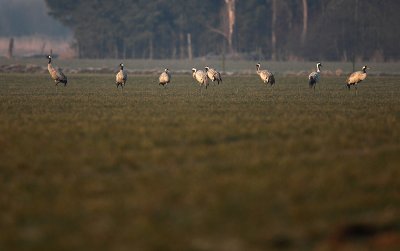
[{"x": 184, "y": 66}]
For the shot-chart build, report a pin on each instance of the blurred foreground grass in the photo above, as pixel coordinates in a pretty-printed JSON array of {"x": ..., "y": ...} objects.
[{"x": 239, "y": 166}]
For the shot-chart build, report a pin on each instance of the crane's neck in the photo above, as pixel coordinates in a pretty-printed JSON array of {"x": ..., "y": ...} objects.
[
  {"x": 364, "y": 70},
  {"x": 122, "y": 68},
  {"x": 258, "y": 69},
  {"x": 318, "y": 68},
  {"x": 49, "y": 66}
]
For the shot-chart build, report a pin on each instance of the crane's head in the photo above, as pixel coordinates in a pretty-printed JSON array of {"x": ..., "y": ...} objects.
[
  {"x": 194, "y": 70},
  {"x": 166, "y": 70},
  {"x": 48, "y": 56},
  {"x": 319, "y": 64},
  {"x": 207, "y": 68},
  {"x": 365, "y": 67}
]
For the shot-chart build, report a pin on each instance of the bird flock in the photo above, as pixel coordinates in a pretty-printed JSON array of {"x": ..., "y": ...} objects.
[{"x": 209, "y": 74}]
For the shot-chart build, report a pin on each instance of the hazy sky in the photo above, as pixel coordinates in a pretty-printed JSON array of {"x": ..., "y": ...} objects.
[{"x": 28, "y": 17}]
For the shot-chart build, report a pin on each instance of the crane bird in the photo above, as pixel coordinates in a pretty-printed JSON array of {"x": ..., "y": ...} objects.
[
  {"x": 121, "y": 77},
  {"x": 213, "y": 75},
  {"x": 313, "y": 78},
  {"x": 200, "y": 76},
  {"x": 164, "y": 78},
  {"x": 56, "y": 74},
  {"x": 357, "y": 77},
  {"x": 266, "y": 76}
]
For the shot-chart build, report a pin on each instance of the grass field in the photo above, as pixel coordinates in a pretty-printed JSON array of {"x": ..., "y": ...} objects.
[{"x": 239, "y": 166}]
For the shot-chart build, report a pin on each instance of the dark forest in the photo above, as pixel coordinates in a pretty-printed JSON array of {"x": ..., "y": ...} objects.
[{"x": 336, "y": 30}]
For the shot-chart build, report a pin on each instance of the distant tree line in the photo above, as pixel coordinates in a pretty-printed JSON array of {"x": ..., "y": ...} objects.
[{"x": 255, "y": 29}]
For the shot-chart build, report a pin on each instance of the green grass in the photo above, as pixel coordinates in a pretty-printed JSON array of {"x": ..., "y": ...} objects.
[{"x": 239, "y": 166}]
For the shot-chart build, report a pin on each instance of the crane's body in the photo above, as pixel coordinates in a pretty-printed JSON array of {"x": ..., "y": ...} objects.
[
  {"x": 357, "y": 77},
  {"x": 266, "y": 76},
  {"x": 313, "y": 78},
  {"x": 121, "y": 77},
  {"x": 201, "y": 77},
  {"x": 213, "y": 75},
  {"x": 164, "y": 78},
  {"x": 56, "y": 74}
]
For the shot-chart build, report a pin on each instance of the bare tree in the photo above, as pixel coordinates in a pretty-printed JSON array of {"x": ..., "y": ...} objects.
[
  {"x": 230, "y": 4},
  {"x": 11, "y": 48},
  {"x": 273, "y": 30},
  {"x": 305, "y": 22},
  {"x": 189, "y": 44},
  {"x": 228, "y": 23}
]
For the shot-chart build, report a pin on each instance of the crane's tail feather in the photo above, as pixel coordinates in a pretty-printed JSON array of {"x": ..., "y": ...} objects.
[
  {"x": 271, "y": 80},
  {"x": 64, "y": 81},
  {"x": 311, "y": 82}
]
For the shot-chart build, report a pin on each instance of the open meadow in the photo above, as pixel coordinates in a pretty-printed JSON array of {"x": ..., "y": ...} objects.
[{"x": 239, "y": 166}]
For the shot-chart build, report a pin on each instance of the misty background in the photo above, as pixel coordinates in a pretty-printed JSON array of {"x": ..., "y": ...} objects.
[
  {"x": 28, "y": 18},
  {"x": 33, "y": 30},
  {"x": 284, "y": 30}
]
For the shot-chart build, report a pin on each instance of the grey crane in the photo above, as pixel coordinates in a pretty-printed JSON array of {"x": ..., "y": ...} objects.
[
  {"x": 357, "y": 77},
  {"x": 200, "y": 76},
  {"x": 313, "y": 78},
  {"x": 165, "y": 78},
  {"x": 213, "y": 75},
  {"x": 266, "y": 76},
  {"x": 56, "y": 74},
  {"x": 121, "y": 77}
]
